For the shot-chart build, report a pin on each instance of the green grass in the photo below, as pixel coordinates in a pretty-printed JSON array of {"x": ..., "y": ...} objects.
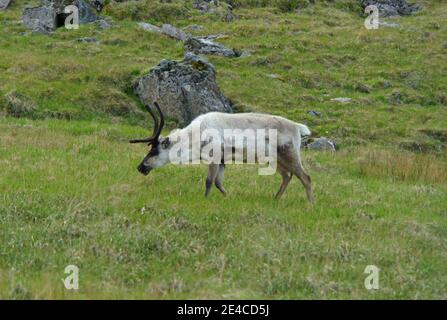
[
  {"x": 70, "y": 192},
  {"x": 71, "y": 195}
]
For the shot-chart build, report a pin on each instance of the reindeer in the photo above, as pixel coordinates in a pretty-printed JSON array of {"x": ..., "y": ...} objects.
[{"x": 288, "y": 144}]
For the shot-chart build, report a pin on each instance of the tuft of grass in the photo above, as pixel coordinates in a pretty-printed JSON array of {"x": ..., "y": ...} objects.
[
  {"x": 403, "y": 166},
  {"x": 19, "y": 105}
]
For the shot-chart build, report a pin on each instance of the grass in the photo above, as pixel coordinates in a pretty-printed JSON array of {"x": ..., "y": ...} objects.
[
  {"x": 404, "y": 166},
  {"x": 70, "y": 193}
]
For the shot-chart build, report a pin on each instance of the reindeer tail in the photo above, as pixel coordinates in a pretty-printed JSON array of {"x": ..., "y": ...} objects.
[{"x": 304, "y": 130}]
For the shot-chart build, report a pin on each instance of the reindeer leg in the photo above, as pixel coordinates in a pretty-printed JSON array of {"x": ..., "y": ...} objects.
[
  {"x": 291, "y": 161},
  {"x": 219, "y": 179},
  {"x": 213, "y": 170},
  {"x": 286, "y": 177},
  {"x": 306, "y": 181}
]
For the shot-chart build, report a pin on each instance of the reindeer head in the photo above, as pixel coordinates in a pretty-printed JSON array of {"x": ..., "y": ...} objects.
[{"x": 159, "y": 146}]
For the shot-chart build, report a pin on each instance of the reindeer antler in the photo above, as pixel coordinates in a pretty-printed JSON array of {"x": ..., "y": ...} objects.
[{"x": 158, "y": 126}]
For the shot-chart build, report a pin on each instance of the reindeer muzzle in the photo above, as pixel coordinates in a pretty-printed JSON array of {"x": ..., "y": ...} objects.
[{"x": 144, "y": 169}]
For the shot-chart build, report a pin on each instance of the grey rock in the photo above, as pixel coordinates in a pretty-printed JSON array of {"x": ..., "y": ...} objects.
[
  {"x": 314, "y": 113},
  {"x": 206, "y": 46},
  {"x": 166, "y": 29},
  {"x": 397, "y": 97},
  {"x": 59, "y": 5},
  {"x": 88, "y": 40},
  {"x": 191, "y": 57},
  {"x": 205, "y": 5},
  {"x": 392, "y": 8},
  {"x": 194, "y": 27},
  {"x": 342, "y": 99},
  {"x": 184, "y": 89},
  {"x": 174, "y": 32},
  {"x": 87, "y": 13},
  {"x": 149, "y": 27},
  {"x": 45, "y": 19},
  {"x": 322, "y": 143},
  {"x": 4, "y": 4},
  {"x": 384, "y": 84},
  {"x": 223, "y": 9},
  {"x": 387, "y": 84},
  {"x": 388, "y": 24},
  {"x": 196, "y": 45},
  {"x": 97, "y": 4},
  {"x": 363, "y": 88},
  {"x": 103, "y": 24},
  {"x": 215, "y": 36},
  {"x": 40, "y": 19}
]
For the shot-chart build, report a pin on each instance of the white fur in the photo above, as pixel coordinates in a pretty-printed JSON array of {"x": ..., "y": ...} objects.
[{"x": 287, "y": 131}]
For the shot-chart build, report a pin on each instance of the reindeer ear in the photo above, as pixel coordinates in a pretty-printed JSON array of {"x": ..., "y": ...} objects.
[{"x": 165, "y": 143}]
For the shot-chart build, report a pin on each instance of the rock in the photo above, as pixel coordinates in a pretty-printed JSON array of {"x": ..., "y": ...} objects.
[
  {"x": 342, "y": 100},
  {"x": 51, "y": 15},
  {"x": 4, "y": 4},
  {"x": 57, "y": 4},
  {"x": 97, "y": 4},
  {"x": 215, "y": 36},
  {"x": 196, "y": 45},
  {"x": 397, "y": 97},
  {"x": 205, "y": 46},
  {"x": 314, "y": 113},
  {"x": 91, "y": 5},
  {"x": 87, "y": 13},
  {"x": 205, "y": 5},
  {"x": 88, "y": 40},
  {"x": 226, "y": 14},
  {"x": 194, "y": 27},
  {"x": 40, "y": 19},
  {"x": 103, "y": 24},
  {"x": 388, "y": 24},
  {"x": 245, "y": 54},
  {"x": 275, "y": 77},
  {"x": 149, "y": 27},
  {"x": 166, "y": 29},
  {"x": 174, "y": 32},
  {"x": 223, "y": 9},
  {"x": 184, "y": 89},
  {"x": 384, "y": 84},
  {"x": 392, "y": 8},
  {"x": 363, "y": 88},
  {"x": 322, "y": 143}
]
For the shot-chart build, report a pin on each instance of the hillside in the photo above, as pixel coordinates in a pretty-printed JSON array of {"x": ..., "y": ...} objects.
[{"x": 70, "y": 193}]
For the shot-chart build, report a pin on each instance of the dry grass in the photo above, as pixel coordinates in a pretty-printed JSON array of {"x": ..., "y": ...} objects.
[{"x": 403, "y": 166}]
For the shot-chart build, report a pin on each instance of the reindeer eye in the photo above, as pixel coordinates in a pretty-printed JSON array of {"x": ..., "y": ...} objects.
[{"x": 166, "y": 143}]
